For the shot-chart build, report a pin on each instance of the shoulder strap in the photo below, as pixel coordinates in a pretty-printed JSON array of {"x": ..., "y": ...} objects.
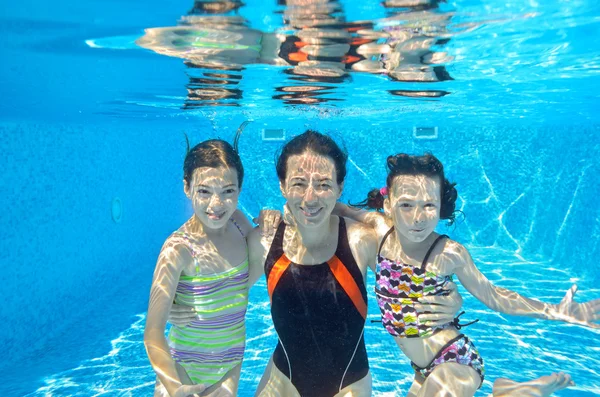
[
  {"x": 238, "y": 227},
  {"x": 385, "y": 238},
  {"x": 276, "y": 262},
  {"x": 276, "y": 272},
  {"x": 344, "y": 269},
  {"x": 348, "y": 283},
  {"x": 441, "y": 236}
]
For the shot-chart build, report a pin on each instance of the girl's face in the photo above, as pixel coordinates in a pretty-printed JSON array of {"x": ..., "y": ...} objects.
[
  {"x": 310, "y": 188},
  {"x": 214, "y": 193},
  {"x": 414, "y": 205}
]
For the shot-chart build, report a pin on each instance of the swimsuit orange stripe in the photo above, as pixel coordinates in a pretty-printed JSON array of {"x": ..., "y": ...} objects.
[
  {"x": 343, "y": 276},
  {"x": 276, "y": 272}
]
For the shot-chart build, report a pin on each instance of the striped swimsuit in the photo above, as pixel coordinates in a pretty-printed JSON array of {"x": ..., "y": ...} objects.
[{"x": 214, "y": 343}]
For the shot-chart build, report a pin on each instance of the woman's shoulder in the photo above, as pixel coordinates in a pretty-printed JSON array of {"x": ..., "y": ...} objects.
[{"x": 360, "y": 232}]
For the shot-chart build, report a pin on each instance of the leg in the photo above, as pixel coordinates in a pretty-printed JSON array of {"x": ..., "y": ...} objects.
[
  {"x": 451, "y": 380},
  {"x": 416, "y": 385},
  {"x": 274, "y": 383},
  {"x": 540, "y": 387},
  {"x": 360, "y": 388}
]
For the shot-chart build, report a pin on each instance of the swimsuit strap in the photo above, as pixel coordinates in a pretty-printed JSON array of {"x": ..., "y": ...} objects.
[
  {"x": 238, "y": 226},
  {"x": 384, "y": 238},
  {"x": 441, "y": 236}
]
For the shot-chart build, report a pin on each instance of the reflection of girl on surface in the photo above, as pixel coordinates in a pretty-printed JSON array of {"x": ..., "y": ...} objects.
[
  {"x": 204, "y": 265},
  {"x": 414, "y": 261},
  {"x": 315, "y": 273}
]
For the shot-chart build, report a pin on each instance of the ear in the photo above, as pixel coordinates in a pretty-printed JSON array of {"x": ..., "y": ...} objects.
[
  {"x": 282, "y": 189},
  {"x": 186, "y": 189},
  {"x": 341, "y": 190},
  {"x": 387, "y": 207}
]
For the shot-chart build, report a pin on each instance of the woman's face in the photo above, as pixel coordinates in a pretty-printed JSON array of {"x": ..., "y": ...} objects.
[
  {"x": 214, "y": 193},
  {"x": 310, "y": 188},
  {"x": 414, "y": 205}
]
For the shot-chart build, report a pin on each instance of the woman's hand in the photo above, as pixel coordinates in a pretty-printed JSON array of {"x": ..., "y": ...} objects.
[
  {"x": 189, "y": 390},
  {"x": 182, "y": 315},
  {"x": 569, "y": 311},
  {"x": 440, "y": 309}
]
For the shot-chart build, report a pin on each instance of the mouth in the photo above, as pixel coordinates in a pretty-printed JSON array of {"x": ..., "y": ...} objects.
[
  {"x": 416, "y": 230},
  {"x": 311, "y": 212},
  {"x": 215, "y": 216}
]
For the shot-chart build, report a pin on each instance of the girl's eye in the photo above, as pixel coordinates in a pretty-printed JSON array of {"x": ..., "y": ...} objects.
[
  {"x": 229, "y": 191},
  {"x": 429, "y": 205},
  {"x": 404, "y": 205},
  {"x": 203, "y": 191}
]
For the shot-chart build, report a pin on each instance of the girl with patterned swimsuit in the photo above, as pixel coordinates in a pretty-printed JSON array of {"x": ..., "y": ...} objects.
[
  {"x": 203, "y": 266},
  {"x": 415, "y": 263}
]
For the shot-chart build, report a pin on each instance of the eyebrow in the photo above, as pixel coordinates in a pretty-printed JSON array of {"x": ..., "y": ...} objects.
[
  {"x": 407, "y": 198},
  {"x": 210, "y": 187}
]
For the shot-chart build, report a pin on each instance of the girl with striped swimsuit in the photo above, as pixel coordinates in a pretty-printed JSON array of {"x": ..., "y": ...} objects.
[{"x": 204, "y": 266}]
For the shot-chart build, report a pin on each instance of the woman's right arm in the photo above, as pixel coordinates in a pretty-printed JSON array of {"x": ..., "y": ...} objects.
[{"x": 166, "y": 276}]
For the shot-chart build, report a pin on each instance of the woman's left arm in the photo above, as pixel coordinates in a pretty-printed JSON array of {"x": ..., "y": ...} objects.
[
  {"x": 438, "y": 310},
  {"x": 509, "y": 302}
]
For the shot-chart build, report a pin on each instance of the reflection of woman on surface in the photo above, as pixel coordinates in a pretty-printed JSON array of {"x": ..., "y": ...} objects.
[
  {"x": 315, "y": 273},
  {"x": 203, "y": 265},
  {"x": 413, "y": 261}
]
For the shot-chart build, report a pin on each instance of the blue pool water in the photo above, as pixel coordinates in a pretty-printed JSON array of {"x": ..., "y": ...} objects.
[{"x": 88, "y": 118}]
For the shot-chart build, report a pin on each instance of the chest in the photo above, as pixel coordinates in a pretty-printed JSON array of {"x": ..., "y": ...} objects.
[
  {"x": 408, "y": 281},
  {"x": 219, "y": 255}
]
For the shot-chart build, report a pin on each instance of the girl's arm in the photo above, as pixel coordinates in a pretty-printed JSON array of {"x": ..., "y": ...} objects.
[
  {"x": 267, "y": 221},
  {"x": 509, "y": 302},
  {"x": 166, "y": 276},
  {"x": 376, "y": 220}
]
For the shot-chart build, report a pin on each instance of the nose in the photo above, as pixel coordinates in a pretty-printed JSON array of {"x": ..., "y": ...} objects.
[
  {"x": 310, "y": 195},
  {"x": 215, "y": 201},
  {"x": 418, "y": 217}
]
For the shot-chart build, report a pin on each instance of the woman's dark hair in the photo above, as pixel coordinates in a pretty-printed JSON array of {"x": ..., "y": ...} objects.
[
  {"x": 214, "y": 153},
  {"x": 428, "y": 165},
  {"x": 313, "y": 141}
]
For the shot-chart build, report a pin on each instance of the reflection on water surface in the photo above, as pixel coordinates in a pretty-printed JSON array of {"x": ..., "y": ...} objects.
[{"x": 318, "y": 48}]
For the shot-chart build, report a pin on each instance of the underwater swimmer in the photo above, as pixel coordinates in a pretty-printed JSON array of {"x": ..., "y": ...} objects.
[
  {"x": 415, "y": 263},
  {"x": 203, "y": 267}
]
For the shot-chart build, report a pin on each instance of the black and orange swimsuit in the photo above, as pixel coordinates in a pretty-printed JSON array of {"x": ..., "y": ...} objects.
[{"x": 319, "y": 314}]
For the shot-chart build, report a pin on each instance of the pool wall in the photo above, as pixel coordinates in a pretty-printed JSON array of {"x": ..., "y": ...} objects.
[{"x": 73, "y": 277}]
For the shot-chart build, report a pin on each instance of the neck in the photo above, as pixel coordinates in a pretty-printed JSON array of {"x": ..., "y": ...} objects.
[
  {"x": 315, "y": 236},
  {"x": 411, "y": 248}
]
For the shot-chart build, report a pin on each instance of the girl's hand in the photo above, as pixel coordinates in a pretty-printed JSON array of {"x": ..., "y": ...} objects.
[
  {"x": 576, "y": 313},
  {"x": 287, "y": 216},
  {"x": 189, "y": 390},
  {"x": 443, "y": 309},
  {"x": 182, "y": 315},
  {"x": 267, "y": 221}
]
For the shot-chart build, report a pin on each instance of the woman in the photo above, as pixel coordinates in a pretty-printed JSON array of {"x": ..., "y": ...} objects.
[{"x": 315, "y": 273}]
